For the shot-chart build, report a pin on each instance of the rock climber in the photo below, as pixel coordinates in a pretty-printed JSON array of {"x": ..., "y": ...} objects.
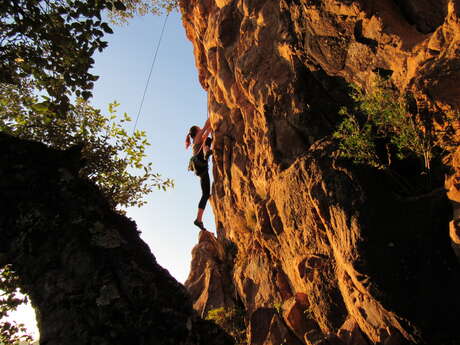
[{"x": 201, "y": 150}]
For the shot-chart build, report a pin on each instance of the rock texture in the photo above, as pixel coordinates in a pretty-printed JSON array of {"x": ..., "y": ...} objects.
[
  {"x": 90, "y": 277},
  {"x": 209, "y": 280},
  {"x": 324, "y": 252}
]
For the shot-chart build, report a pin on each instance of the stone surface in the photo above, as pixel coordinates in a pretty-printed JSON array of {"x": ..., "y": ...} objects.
[
  {"x": 294, "y": 314},
  {"x": 209, "y": 282},
  {"x": 301, "y": 219},
  {"x": 350, "y": 334},
  {"x": 90, "y": 277},
  {"x": 266, "y": 327}
]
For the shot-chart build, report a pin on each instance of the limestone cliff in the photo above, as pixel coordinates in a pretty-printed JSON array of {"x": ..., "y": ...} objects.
[
  {"x": 314, "y": 248},
  {"x": 90, "y": 277}
]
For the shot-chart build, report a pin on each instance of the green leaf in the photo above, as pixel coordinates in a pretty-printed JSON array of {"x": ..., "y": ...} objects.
[
  {"x": 119, "y": 6},
  {"x": 106, "y": 28},
  {"x": 40, "y": 107}
]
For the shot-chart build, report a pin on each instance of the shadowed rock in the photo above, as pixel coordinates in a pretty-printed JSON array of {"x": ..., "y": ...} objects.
[{"x": 90, "y": 277}]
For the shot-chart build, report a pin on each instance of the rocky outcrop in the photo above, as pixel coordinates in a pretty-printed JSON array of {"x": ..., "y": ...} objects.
[
  {"x": 331, "y": 251},
  {"x": 209, "y": 282},
  {"x": 90, "y": 277}
]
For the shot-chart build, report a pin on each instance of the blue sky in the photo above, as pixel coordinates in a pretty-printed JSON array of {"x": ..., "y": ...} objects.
[{"x": 174, "y": 102}]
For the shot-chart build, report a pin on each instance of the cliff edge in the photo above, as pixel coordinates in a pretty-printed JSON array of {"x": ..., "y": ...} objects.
[{"x": 89, "y": 276}]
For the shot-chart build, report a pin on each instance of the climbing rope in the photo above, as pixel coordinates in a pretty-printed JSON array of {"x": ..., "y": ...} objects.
[{"x": 150, "y": 73}]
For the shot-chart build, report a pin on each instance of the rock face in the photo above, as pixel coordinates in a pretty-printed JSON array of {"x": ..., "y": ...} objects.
[
  {"x": 209, "y": 281},
  {"x": 324, "y": 251},
  {"x": 90, "y": 277}
]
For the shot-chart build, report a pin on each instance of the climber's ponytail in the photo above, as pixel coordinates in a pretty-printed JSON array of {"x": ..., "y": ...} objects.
[{"x": 187, "y": 141}]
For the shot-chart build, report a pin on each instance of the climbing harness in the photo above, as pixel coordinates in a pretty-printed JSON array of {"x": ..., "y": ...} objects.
[{"x": 197, "y": 164}]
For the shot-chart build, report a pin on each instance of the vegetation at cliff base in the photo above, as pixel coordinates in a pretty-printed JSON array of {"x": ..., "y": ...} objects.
[{"x": 232, "y": 321}]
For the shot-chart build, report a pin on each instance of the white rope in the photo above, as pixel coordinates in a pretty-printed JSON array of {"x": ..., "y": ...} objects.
[{"x": 150, "y": 73}]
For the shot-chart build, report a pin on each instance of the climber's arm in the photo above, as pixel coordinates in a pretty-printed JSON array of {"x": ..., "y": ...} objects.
[
  {"x": 207, "y": 126},
  {"x": 203, "y": 134},
  {"x": 206, "y": 133}
]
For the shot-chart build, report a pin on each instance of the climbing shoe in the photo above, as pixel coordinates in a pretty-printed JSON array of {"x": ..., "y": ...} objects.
[{"x": 199, "y": 224}]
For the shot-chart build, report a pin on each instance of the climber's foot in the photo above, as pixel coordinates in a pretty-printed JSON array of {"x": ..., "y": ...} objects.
[{"x": 199, "y": 224}]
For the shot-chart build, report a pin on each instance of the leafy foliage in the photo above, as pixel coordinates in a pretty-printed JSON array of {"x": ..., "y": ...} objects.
[
  {"x": 142, "y": 7},
  {"x": 380, "y": 116},
  {"x": 278, "y": 307},
  {"x": 52, "y": 41},
  {"x": 356, "y": 141},
  {"x": 232, "y": 321},
  {"x": 11, "y": 333},
  {"x": 111, "y": 154}
]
